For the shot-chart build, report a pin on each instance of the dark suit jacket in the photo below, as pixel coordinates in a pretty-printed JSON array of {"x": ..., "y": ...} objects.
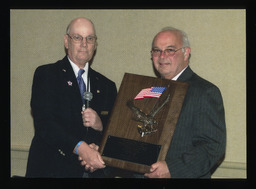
[
  {"x": 56, "y": 107},
  {"x": 199, "y": 140}
]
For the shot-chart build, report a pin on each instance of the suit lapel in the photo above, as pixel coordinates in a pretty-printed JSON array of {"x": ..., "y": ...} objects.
[
  {"x": 186, "y": 75},
  {"x": 94, "y": 86},
  {"x": 72, "y": 88},
  {"x": 70, "y": 82}
]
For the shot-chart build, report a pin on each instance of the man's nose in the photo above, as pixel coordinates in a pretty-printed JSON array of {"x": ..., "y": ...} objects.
[
  {"x": 162, "y": 54},
  {"x": 84, "y": 42}
]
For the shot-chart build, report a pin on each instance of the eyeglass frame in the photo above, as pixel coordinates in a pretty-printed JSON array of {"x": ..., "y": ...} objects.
[
  {"x": 82, "y": 38},
  {"x": 174, "y": 51}
]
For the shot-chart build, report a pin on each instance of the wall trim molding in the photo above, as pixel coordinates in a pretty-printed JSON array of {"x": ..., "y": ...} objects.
[
  {"x": 231, "y": 170},
  {"x": 233, "y": 165},
  {"x": 19, "y": 155},
  {"x": 20, "y": 148}
]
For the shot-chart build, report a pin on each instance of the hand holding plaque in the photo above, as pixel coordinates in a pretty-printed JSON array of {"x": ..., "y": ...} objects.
[{"x": 139, "y": 131}]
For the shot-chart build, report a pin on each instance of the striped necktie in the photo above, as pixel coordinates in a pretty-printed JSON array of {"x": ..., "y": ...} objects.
[{"x": 81, "y": 84}]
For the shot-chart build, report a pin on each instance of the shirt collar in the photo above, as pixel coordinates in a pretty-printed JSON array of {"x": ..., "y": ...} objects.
[
  {"x": 76, "y": 68},
  {"x": 178, "y": 75}
]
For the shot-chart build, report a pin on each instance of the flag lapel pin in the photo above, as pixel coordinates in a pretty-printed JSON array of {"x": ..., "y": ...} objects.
[{"x": 69, "y": 83}]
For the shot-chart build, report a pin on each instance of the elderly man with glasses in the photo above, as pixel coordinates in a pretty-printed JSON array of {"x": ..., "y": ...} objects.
[
  {"x": 68, "y": 125},
  {"x": 199, "y": 140}
]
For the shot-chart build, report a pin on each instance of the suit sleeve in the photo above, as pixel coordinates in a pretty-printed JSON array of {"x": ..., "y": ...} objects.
[
  {"x": 208, "y": 141},
  {"x": 46, "y": 113}
]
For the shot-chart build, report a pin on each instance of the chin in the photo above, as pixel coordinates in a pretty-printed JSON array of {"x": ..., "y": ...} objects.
[
  {"x": 166, "y": 75},
  {"x": 163, "y": 72},
  {"x": 83, "y": 58}
]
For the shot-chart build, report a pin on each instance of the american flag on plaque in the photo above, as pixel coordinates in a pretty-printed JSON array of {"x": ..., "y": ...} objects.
[{"x": 153, "y": 92}]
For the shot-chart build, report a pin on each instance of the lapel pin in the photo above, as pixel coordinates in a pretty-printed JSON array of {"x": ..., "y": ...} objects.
[
  {"x": 98, "y": 91},
  {"x": 63, "y": 70},
  {"x": 69, "y": 83}
]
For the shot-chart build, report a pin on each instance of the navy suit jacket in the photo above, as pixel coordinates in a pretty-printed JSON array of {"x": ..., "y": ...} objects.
[
  {"x": 199, "y": 140},
  {"x": 56, "y": 107}
]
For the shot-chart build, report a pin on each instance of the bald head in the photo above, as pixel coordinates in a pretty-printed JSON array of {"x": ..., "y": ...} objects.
[
  {"x": 80, "y": 52},
  {"x": 81, "y": 21}
]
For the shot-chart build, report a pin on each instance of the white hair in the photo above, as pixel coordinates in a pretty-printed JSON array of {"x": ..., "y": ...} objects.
[{"x": 185, "y": 40}]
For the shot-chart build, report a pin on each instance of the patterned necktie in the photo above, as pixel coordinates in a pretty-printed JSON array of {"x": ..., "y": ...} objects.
[{"x": 81, "y": 83}]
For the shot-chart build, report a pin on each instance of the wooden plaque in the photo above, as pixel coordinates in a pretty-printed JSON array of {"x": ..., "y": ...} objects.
[{"x": 122, "y": 145}]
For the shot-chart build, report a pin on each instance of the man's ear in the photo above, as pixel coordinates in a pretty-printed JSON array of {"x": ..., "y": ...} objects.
[
  {"x": 66, "y": 41},
  {"x": 187, "y": 53},
  {"x": 95, "y": 46}
]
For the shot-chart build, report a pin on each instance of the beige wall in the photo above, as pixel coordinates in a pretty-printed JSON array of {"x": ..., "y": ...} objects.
[{"x": 217, "y": 40}]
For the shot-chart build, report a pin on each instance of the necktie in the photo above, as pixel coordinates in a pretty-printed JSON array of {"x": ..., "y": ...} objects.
[{"x": 81, "y": 84}]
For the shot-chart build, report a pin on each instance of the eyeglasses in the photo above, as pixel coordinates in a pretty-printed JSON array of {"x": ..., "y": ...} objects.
[
  {"x": 167, "y": 52},
  {"x": 91, "y": 39}
]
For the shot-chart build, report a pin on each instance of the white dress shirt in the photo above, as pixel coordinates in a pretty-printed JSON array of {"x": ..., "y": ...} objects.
[{"x": 84, "y": 75}]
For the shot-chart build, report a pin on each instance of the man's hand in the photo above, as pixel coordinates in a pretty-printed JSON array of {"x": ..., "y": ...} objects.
[
  {"x": 90, "y": 157},
  {"x": 94, "y": 146},
  {"x": 159, "y": 170},
  {"x": 91, "y": 119}
]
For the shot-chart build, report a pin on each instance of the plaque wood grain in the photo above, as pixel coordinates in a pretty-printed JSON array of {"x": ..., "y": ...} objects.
[{"x": 121, "y": 123}]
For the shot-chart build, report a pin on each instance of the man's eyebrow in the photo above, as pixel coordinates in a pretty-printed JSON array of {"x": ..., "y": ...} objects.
[
  {"x": 169, "y": 46},
  {"x": 172, "y": 46}
]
